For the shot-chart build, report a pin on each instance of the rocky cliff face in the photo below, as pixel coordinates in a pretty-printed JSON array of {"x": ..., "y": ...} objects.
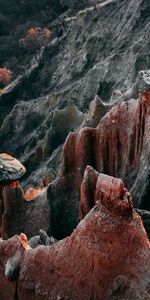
[
  {"x": 77, "y": 115},
  {"x": 112, "y": 148},
  {"x": 111, "y": 238},
  {"x": 103, "y": 49}
]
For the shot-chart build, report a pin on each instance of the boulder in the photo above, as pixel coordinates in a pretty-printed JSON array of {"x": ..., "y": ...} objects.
[
  {"x": 10, "y": 168},
  {"x": 41, "y": 239}
]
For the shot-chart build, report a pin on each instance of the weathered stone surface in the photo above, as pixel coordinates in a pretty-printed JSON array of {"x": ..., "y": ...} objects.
[
  {"x": 19, "y": 215},
  {"x": 63, "y": 121},
  {"x": 145, "y": 215},
  {"x": 111, "y": 148},
  {"x": 87, "y": 190},
  {"x": 141, "y": 85},
  {"x": 98, "y": 188},
  {"x": 107, "y": 256},
  {"x": 116, "y": 95},
  {"x": 41, "y": 239},
  {"x": 10, "y": 168},
  {"x": 96, "y": 111},
  {"x": 8, "y": 249},
  {"x": 43, "y": 127},
  {"x": 97, "y": 52}
]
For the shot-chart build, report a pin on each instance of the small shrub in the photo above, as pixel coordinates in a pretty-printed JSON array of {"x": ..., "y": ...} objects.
[
  {"x": 5, "y": 76},
  {"x": 36, "y": 38}
]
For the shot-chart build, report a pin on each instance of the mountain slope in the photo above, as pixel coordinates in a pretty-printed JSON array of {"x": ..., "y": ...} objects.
[{"x": 98, "y": 51}]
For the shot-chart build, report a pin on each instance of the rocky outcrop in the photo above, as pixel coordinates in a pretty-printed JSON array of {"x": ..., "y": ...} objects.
[
  {"x": 111, "y": 148},
  {"x": 97, "y": 110},
  {"x": 141, "y": 85},
  {"x": 87, "y": 190},
  {"x": 10, "y": 168},
  {"x": 108, "y": 148},
  {"x": 106, "y": 257},
  {"x": 95, "y": 49},
  {"x": 97, "y": 188},
  {"x": 63, "y": 121},
  {"x": 41, "y": 239},
  {"x": 41, "y": 128},
  {"x": 18, "y": 214}
]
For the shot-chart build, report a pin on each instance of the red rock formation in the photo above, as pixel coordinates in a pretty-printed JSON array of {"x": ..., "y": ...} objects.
[
  {"x": 107, "y": 256},
  {"x": 111, "y": 148},
  {"x": 119, "y": 146},
  {"x": 96, "y": 189},
  {"x": 8, "y": 249},
  {"x": 116, "y": 147},
  {"x": 88, "y": 186}
]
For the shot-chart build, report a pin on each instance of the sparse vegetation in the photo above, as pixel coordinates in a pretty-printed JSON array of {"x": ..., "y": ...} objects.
[
  {"x": 5, "y": 76},
  {"x": 36, "y": 38}
]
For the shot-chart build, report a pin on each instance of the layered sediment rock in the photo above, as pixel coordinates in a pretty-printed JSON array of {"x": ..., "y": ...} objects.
[
  {"x": 106, "y": 257},
  {"x": 119, "y": 146}
]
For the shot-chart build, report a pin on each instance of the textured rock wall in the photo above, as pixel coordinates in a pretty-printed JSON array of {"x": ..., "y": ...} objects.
[
  {"x": 119, "y": 146},
  {"x": 112, "y": 148},
  {"x": 111, "y": 238},
  {"x": 19, "y": 215},
  {"x": 102, "y": 50}
]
